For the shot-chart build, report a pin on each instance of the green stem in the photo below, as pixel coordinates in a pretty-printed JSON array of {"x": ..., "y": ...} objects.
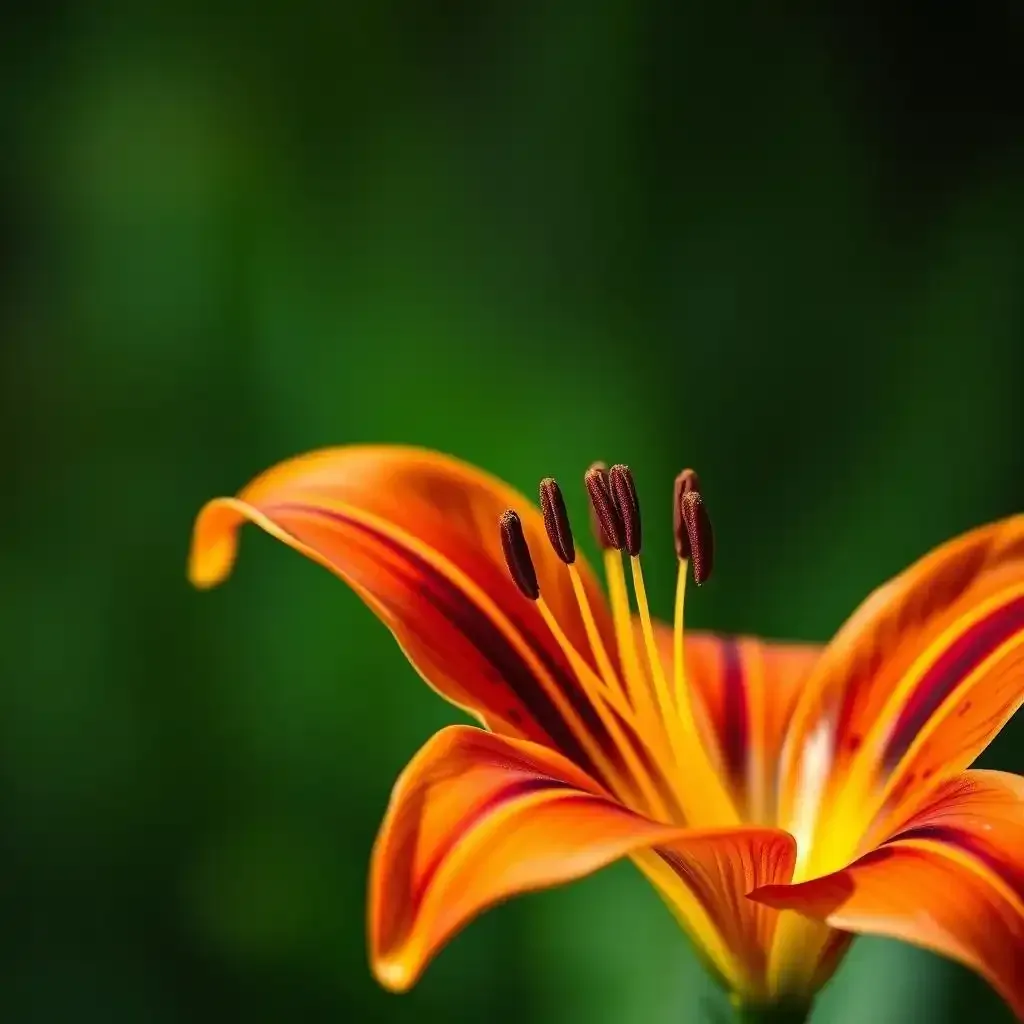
[{"x": 774, "y": 1013}]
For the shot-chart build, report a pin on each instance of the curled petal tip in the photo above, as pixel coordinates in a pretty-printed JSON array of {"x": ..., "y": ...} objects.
[
  {"x": 394, "y": 975},
  {"x": 214, "y": 543}
]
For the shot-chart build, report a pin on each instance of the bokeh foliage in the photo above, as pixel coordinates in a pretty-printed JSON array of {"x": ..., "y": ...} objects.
[{"x": 782, "y": 244}]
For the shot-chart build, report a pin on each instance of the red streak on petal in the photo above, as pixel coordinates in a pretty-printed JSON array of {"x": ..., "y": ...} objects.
[{"x": 953, "y": 666}]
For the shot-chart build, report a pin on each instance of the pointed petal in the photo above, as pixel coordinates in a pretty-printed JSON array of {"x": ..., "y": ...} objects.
[
  {"x": 477, "y": 818},
  {"x": 952, "y": 882},
  {"x": 415, "y": 533},
  {"x": 912, "y": 689},
  {"x": 746, "y": 689}
]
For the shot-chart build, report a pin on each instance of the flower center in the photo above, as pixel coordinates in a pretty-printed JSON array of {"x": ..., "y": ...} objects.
[{"x": 663, "y": 762}]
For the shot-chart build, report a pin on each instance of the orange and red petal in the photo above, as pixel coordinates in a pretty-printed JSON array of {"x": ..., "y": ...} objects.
[
  {"x": 477, "y": 818},
  {"x": 704, "y": 877},
  {"x": 980, "y": 813},
  {"x": 415, "y": 534},
  {"x": 746, "y": 689},
  {"x": 916, "y": 684},
  {"x": 951, "y": 881}
]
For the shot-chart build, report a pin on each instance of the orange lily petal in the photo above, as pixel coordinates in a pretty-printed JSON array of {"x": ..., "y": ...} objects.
[
  {"x": 477, "y": 818},
  {"x": 746, "y": 689},
  {"x": 704, "y": 878},
  {"x": 912, "y": 689},
  {"x": 415, "y": 534},
  {"x": 982, "y": 812},
  {"x": 952, "y": 882}
]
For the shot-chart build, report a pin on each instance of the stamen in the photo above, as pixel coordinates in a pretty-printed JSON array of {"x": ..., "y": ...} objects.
[
  {"x": 700, "y": 535},
  {"x": 522, "y": 570},
  {"x": 610, "y": 533},
  {"x": 686, "y": 482},
  {"x": 625, "y": 640},
  {"x": 623, "y": 492},
  {"x": 706, "y": 787},
  {"x": 604, "y": 687},
  {"x": 517, "y": 555},
  {"x": 627, "y": 504},
  {"x": 607, "y": 525},
  {"x": 604, "y": 663},
  {"x": 624, "y": 497},
  {"x": 661, "y": 694},
  {"x": 678, "y": 663},
  {"x": 635, "y": 774},
  {"x": 663, "y": 719},
  {"x": 559, "y": 530},
  {"x": 693, "y": 543},
  {"x": 689, "y": 480},
  {"x": 556, "y": 520},
  {"x": 601, "y": 472}
]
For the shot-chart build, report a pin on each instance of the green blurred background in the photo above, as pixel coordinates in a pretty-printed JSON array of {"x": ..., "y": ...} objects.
[{"x": 783, "y": 244}]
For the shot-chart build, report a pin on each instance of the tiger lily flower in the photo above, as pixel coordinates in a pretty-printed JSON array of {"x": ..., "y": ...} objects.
[{"x": 780, "y": 797}]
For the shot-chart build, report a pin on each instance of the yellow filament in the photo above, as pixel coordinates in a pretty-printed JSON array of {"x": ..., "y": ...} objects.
[
  {"x": 662, "y": 697},
  {"x": 636, "y": 773},
  {"x": 565, "y": 708},
  {"x": 628, "y": 656},
  {"x": 689, "y": 790},
  {"x": 604, "y": 664},
  {"x": 678, "y": 665},
  {"x": 650, "y": 722},
  {"x": 705, "y": 796}
]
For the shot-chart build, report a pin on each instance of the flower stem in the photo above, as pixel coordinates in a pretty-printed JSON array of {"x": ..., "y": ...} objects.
[{"x": 774, "y": 1013}]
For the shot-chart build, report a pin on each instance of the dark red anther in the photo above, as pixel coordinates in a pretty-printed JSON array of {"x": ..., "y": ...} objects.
[
  {"x": 556, "y": 520},
  {"x": 700, "y": 535},
  {"x": 623, "y": 489},
  {"x": 686, "y": 482},
  {"x": 517, "y": 555},
  {"x": 605, "y": 519}
]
